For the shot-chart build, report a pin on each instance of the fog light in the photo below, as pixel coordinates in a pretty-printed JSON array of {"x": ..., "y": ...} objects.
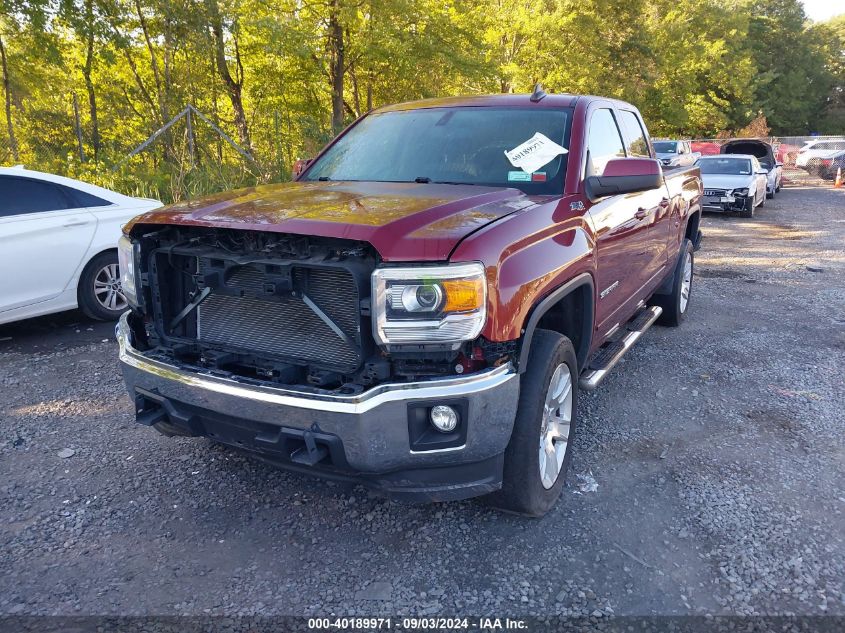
[{"x": 444, "y": 418}]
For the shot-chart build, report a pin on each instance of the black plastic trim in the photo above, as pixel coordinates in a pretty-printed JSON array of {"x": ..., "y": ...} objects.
[
  {"x": 422, "y": 435},
  {"x": 584, "y": 279}
]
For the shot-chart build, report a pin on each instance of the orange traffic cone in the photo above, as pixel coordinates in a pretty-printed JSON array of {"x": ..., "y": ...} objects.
[{"x": 838, "y": 182}]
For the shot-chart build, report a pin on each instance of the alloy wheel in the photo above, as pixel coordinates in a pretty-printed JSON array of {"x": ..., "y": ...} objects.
[
  {"x": 686, "y": 283},
  {"x": 554, "y": 431},
  {"x": 107, "y": 289}
]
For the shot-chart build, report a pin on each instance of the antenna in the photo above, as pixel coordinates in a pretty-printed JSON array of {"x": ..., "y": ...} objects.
[{"x": 538, "y": 93}]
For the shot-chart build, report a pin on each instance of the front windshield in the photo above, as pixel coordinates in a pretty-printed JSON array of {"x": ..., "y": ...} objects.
[
  {"x": 665, "y": 147},
  {"x": 455, "y": 145},
  {"x": 725, "y": 166}
]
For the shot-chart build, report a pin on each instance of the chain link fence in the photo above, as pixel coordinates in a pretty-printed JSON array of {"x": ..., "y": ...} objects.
[{"x": 807, "y": 160}]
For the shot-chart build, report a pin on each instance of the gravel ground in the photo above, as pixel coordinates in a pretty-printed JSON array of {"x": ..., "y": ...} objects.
[{"x": 716, "y": 447}]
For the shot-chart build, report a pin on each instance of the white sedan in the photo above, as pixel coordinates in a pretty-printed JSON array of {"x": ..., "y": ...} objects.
[
  {"x": 733, "y": 182},
  {"x": 811, "y": 155},
  {"x": 58, "y": 245}
]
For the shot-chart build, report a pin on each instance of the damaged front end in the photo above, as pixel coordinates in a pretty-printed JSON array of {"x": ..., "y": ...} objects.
[
  {"x": 727, "y": 200},
  {"x": 309, "y": 352},
  {"x": 292, "y": 310}
]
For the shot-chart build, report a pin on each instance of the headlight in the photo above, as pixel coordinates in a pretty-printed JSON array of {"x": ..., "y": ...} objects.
[
  {"x": 126, "y": 263},
  {"x": 740, "y": 192},
  {"x": 429, "y": 304}
]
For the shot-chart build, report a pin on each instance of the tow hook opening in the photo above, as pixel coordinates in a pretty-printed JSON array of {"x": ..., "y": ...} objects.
[{"x": 308, "y": 447}]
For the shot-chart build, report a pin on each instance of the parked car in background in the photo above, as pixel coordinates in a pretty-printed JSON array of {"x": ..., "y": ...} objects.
[
  {"x": 765, "y": 155},
  {"x": 810, "y": 156},
  {"x": 675, "y": 153},
  {"x": 58, "y": 245},
  {"x": 419, "y": 309},
  {"x": 733, "y": 183},
  {"x": 828, "y": 167}
]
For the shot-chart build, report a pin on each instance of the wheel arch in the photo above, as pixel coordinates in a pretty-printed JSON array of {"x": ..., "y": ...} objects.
[
  {"x": 693, "y": 228},
  {"x": 569, "y": 310}
]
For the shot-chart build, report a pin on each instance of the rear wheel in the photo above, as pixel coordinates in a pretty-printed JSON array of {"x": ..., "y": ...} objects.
[
  {"x": 540, "y": 448},
  {"x": 675, "y": 303},
  {"x": 99, "y": 293}
]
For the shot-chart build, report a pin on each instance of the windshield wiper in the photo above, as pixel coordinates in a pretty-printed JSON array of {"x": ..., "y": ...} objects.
[{"x": 424, "y": 180}]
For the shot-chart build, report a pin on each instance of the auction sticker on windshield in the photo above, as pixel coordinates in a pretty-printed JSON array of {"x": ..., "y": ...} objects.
[{"x": 537, "y": 151}]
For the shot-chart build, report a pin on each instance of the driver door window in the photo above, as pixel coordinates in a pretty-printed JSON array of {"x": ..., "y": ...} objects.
[
  {"x": 604, "y": 142},
  {"x": 635, "y": 143}
]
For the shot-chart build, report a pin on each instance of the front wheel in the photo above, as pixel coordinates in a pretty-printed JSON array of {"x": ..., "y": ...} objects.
[
  {"x": 540, "y": 448},
  {"x": 99, "y": 293},
  {"x": 748, "y": 208}
]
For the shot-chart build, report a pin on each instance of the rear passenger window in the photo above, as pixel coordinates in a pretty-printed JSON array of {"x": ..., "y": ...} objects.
[
  {"x": 24, "y": 195},
  {"x": 603, "y": 143},
  {"x": 635, "y": 143},
  {"x": 82, "y": 199}
]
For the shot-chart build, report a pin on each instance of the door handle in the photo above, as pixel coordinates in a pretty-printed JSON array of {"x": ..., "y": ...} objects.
[{"x": 67, "y": 225}]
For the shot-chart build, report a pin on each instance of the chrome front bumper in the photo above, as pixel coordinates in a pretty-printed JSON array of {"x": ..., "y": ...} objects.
[{"x": 373, "y": 426}]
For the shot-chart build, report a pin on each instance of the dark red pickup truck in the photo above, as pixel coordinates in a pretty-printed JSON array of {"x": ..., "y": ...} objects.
[{"x": 418, "y": 310}]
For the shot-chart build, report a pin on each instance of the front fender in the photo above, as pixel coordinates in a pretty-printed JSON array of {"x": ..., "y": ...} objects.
[{"x": 527, "y": 256}]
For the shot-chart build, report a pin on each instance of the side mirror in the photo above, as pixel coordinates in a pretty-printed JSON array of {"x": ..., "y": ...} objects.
[
  {"x": 624, "y": 175},
  {"x": 763, "y": 172},
  {"x": 300, "y": 166}
]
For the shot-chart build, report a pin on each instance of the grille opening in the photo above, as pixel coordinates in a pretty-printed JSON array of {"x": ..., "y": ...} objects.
[{"x": 286, "y": 321}]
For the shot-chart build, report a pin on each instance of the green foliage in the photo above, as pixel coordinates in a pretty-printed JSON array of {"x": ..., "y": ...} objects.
[
  {"x": 794, "y": 84},
  {"x": 276, "y": 74}
]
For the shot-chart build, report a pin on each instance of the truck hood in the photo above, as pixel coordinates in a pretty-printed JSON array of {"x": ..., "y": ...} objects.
[
  {"x": 403, "y": 221},
  {"x": 726, "y": 181}
]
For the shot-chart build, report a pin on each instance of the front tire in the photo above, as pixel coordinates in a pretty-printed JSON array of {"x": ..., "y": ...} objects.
[
  {"x": 99, "y": 294},
  {"x": 748, "y": 209},
  {"x": 676, "y": 303},
  {"x": 540, "y": 449}
]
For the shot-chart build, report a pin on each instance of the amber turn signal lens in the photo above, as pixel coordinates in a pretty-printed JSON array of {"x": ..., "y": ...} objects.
[{"x": 463, "y": 295}]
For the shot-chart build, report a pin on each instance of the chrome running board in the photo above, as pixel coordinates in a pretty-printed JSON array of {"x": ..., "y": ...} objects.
[{"x": 612, "y": 352}]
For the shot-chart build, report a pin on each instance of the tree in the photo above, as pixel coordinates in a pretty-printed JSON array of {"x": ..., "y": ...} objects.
[
  {"x": 831, "y": 37},
  {"x": 792, "y": 83},
  {"x": 234, "y": 84}
]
